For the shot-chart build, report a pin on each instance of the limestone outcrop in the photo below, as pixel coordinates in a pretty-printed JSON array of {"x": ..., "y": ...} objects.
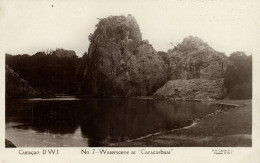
[
  {"x": 195, "y": 70},
  {"x": 193, "y": 59},
  {"x": 119, "y": 62},
  {"x": 191, "y": 89}
]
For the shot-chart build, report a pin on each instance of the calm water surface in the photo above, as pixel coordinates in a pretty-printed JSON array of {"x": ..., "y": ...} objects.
[{"x": 95, "y": 122}]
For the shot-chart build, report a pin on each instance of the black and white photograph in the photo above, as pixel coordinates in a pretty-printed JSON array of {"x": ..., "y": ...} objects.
[{"x": 140, "y": 75}]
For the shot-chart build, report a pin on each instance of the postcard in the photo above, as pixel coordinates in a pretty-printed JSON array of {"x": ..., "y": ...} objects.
[{"x": 131, "y": 81}]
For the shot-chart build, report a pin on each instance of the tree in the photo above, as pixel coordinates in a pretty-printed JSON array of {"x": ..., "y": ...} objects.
[
  {"x": 49, "y": 72},
  {"x": 238, "y": 76}
]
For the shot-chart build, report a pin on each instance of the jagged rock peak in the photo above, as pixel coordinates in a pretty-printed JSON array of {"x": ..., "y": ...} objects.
[
  {"x": 118, "y": 30},
  {"x": 194, "y": 58},
  {"x": 192, "y": 43}
]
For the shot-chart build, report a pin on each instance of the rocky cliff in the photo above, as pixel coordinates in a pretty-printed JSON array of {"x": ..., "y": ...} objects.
[
  {"x": 200, "y": 67},
  {"x": 194, "y": 59},
  {"x": 16, "y": 87},
  {"x": 119, "y": 62}
]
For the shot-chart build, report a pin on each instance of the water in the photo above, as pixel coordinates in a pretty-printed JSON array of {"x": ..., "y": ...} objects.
[{"x": 76, "y": 122}]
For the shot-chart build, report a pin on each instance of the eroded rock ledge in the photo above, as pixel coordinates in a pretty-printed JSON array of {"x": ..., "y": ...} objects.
[{"x": 191, "y": 89}]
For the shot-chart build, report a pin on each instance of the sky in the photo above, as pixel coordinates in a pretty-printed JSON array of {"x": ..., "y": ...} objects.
[{"x": 27, "y": 27}]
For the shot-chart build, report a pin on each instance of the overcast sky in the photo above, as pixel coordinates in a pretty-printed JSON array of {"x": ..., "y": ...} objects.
[{"x": 32, "y": 26}]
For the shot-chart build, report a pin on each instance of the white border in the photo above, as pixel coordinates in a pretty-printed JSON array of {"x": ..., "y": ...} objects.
[{"x": 179, "y": 154}]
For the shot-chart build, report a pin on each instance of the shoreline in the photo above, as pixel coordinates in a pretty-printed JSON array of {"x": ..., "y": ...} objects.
[
  {"x": 189, "y": 137},
  {"x": 185, "y": 133},
  {"x": 194, "y": 121}
]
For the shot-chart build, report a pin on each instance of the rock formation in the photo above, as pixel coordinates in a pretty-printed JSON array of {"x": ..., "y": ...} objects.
[
  {"x": 191, "y": 89},
  {"x": 64, "y": 53},
  {"x": 16, "y": 87},
  {"x": 200, "y": 67},
  {"x": 194, "y": 59},
  {"x": 118, "y": 62}
]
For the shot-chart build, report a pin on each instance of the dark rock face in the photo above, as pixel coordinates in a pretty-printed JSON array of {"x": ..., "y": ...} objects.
[
  {"x": 16, "y": 87},
  {"x": 200, "y": 67},
  {"x": 194, "y": 59},
  {"x": 119, "y": 63}
]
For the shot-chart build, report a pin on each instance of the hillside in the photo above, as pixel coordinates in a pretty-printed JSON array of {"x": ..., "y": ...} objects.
[
  {"x": 16, "y": 87},
  {"x": 50, "y": 73}
]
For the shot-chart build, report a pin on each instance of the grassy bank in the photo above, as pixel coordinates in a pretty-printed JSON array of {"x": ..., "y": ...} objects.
[{"x": 230, "y": 128}]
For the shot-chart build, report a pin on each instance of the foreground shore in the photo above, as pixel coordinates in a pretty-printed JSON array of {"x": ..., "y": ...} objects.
[{"x": 229, "y": 128}]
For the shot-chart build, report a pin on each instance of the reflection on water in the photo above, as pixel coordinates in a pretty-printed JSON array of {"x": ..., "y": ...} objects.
[{"x": 95, "y": 122}]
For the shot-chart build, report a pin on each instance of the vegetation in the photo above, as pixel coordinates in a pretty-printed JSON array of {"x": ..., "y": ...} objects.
[
  {"x": 16, "y": 87},
  {"x": 238, "y": 76},
  {"x": 50, "y": 73}
]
